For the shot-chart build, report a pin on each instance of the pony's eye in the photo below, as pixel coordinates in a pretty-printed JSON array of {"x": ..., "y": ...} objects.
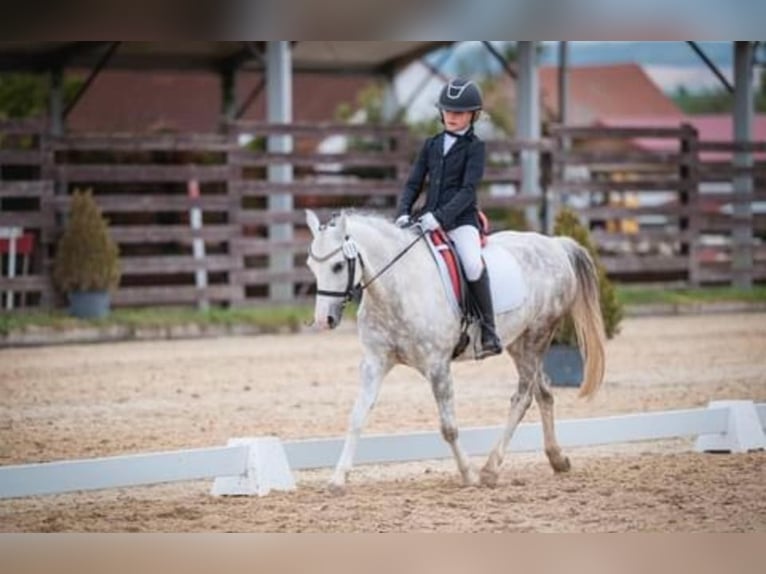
[{"x": 338, "y": 267}]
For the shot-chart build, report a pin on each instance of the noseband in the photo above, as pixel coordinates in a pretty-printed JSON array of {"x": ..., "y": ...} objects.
[{"x": 351, "y": 253}]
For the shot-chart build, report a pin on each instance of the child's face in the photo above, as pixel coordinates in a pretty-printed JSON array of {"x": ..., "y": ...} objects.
[{"x": 457, "y": 121}]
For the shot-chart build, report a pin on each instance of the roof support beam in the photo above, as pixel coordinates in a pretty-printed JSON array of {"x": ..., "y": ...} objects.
[
  {"x": 528, "y": 123},
  {"x": 435, "y": 71},
  {"x": 713, "y": 68},
  {"x": 279, "y": 109},
  {"x": 501, "y": 59},
  {"x": 742, "y": 234},
  {"x": 91, "y": 78}
]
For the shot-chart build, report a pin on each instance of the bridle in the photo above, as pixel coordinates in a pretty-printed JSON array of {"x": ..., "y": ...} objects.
[{"x": 353, "y": 291}]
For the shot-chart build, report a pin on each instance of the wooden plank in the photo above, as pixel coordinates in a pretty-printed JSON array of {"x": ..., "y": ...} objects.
[
  {"x": 515, "y": 146},
  {"x": 152, "y": 203},
  {"x": 303, "y": 159},
  {"x": 318, "y": 129},
  {"x": 33, "y": 126},
  {"x": 25, "y": 283},
  {"x": 25, "y": 188},
  {"x": 730, "y": 146},
  {"x": 650, "y": 235},
  {"x": 502, "y": 174},
  {"x": 17, "y": 157},
  {"x": 724, "y": 172},
  {"x": 129, "y": 142},
  {"x": 176, "y": 294},
  {"x": 667, "y": 185},
  {"x": 643, "y": 264},
  {"x": 487, "y": 201},
  {"x": 141, "y": 173},
  {"x": 266, "y": 277},
  {"x": 621, "y": 158},
  {"x": 244, "y": 246},
  {"x": 608, "y": 212},
  {"x": 258, "y": 188},
  {"x": 25, "y": 219},
  {"x": 617, "y": 132},
  {"x": 171, "y": 264},
  {"x": 167, "y": 233}
]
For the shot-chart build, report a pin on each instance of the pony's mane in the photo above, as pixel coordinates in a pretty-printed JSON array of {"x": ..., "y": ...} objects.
[{"x": 374, "y": 219}]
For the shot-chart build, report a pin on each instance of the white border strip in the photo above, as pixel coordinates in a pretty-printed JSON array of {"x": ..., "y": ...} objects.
[
  {"x": 321, "y": 453},
  {"x": 119, "y": 471},
  {"x": 151, "y": 468}
]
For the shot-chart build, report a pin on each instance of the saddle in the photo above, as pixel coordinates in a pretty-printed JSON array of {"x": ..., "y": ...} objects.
[
  {"x": 443, "y": 246},
  {"x": 507, "y": 283}
]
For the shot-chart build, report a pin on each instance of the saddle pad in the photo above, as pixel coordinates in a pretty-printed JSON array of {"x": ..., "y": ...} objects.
[
  {"x": 509, "y": 289},
  {"x": 444, "y": 272}
]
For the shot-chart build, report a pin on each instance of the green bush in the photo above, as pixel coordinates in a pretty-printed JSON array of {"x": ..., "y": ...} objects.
[
  {"x": 567, "y": 223},
  {"x": 87, "y": 259}
]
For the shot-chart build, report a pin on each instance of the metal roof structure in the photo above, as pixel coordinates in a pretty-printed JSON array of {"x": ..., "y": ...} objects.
[{"x": 318, "y": 56}]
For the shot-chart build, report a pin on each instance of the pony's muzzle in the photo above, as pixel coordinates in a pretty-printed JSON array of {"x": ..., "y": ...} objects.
[{"x": 330, "y": 317}]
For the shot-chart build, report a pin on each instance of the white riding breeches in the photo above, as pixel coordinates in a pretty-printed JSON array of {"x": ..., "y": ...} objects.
[{"x": 468, "y": 244}]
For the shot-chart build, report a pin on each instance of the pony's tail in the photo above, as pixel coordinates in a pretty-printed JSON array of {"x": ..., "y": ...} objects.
[{"x": 587, "y": 319}]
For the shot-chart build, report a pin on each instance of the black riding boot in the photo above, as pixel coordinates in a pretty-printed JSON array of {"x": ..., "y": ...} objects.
[{"x": 490, "y": 343}]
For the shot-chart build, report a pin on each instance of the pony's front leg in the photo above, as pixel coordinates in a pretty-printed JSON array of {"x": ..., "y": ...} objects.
[
  {"x": 372, "y": 370},
  {"x": 441, "y": 385}
]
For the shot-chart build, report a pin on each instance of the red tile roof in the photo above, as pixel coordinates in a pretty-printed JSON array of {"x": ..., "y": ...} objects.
[
  {"x": 610, "y": 90},
  {"x": 191, "y": 101}
]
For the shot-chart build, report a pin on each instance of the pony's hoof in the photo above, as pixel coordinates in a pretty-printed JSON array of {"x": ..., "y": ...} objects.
[
  {"x": 561, "y": 464},
  {"x": 471, "y": 478},
  {"x": 336, "y": 489},
  {"x": 489, "y": 477}
]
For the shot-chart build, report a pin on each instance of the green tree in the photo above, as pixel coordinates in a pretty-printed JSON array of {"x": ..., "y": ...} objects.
[
  {"x": 568, "y": 224},
  {"x": 26, "y": 95}
]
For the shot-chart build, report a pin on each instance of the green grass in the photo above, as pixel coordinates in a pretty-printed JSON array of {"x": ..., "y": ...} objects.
[
  {"x": 270, "y": 319},
  {"x": 641, "y": 295},
  {"x": 267, "y": 318}
]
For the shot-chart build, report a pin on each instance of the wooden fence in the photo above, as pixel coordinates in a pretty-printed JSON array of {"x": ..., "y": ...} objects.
[
  {"x": 149, "y": 186},
  {"x": 661, "y": 203}
]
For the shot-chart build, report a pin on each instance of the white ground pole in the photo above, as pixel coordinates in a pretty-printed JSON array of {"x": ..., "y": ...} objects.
[
  {"x": 279, "y": 109},
  {"x": 528, "y": 123},
  {"x": 258, "y": 465}
]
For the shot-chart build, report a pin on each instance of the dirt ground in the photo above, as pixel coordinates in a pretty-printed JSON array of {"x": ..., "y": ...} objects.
[{"x": 97, "y": 400}]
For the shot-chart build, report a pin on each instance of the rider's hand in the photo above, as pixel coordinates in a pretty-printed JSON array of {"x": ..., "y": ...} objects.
[
  {"x": 429, "y": 222},
  {"x": 403, "y": 221}
]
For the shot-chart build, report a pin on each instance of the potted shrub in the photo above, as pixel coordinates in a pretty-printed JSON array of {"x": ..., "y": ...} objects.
[
  {"x": 563, "y": 363},
  {"x": 87, "y": 264}
]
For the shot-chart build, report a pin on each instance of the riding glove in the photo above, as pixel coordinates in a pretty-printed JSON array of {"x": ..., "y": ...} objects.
[
  {"x": 429, "y": 222},
  {"x": 403, "y": 221}
]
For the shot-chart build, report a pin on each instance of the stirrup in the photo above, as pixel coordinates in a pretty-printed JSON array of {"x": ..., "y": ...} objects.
[{"x": 491, "y": 347}]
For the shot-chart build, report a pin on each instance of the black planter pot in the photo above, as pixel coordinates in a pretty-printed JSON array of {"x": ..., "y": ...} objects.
[
  {"x": 89, "y": 304},
  {"x": 563, "y": 365}
]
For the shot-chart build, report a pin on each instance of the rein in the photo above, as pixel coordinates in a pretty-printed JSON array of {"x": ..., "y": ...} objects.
[{"x": 350, "y": 252}]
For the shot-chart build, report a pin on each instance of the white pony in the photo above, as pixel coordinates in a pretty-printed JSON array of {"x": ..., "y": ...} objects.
[{"x": 405, "y": 318}]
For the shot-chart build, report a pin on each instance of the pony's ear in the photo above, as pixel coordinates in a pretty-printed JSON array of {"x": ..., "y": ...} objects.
[
  {"x": 312, "y": 221},
  {"x": 342, "y": 223}
]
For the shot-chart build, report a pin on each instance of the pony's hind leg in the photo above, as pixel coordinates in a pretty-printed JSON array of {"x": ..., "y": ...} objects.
[
  {"x": 520, "y": 402},
  {"x": 544, "y": 399},
  {"x": 441, "y": 385}
]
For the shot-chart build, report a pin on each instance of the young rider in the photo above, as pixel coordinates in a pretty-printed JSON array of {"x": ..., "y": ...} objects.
[{"x": 453, "y": 160}]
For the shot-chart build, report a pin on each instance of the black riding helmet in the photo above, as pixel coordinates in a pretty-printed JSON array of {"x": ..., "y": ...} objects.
[{"x": 460, "y": 95}]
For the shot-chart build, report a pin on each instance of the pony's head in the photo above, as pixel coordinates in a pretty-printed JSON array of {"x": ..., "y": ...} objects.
[{"x": 335, "y": 262}]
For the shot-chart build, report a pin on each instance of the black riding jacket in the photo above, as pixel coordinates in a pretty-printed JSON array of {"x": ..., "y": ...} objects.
[{"x": 452, "y": 180}]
